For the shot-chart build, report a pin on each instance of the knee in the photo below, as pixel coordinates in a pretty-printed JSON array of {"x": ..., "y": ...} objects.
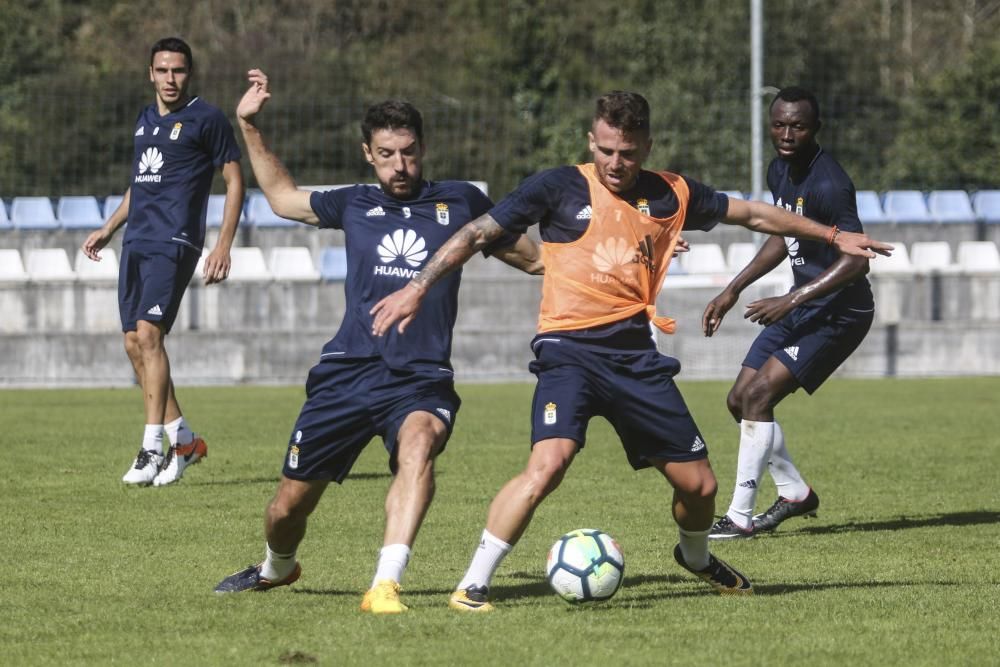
[
  {"x": 282, "y": 510},
  {"x": 756, "y": 396},
  {"x": 546, "y": 474},
  {"x": 734, "y": 402},
  {"x": 148, "y": 338},
  {"x": 417, "y": 451},
  {"x": 699, "y": 488}
]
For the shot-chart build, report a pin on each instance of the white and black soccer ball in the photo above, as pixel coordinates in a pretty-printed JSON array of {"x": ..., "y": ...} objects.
[{"x": 585, "y": 565}]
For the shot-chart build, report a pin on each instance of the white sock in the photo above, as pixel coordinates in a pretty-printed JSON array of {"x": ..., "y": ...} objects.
[
  {"x": 179, "y": 432},
  {"x": 152, "y": 438},
  {"x": 756, "y": 441},
  {"x": 786, "y": 476},
  {"x": 277, "y": 566},
  {"x": 392, "y": 560},
  {"x": 694, "y": 547},
  {"x": 485, "y": 561}
]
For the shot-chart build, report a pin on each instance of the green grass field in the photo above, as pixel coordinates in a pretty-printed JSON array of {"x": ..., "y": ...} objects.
[{"x": 900, "y": 568}]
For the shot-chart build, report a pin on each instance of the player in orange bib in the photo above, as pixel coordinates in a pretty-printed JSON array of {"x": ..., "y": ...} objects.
[{"x": 608, "y": 231}]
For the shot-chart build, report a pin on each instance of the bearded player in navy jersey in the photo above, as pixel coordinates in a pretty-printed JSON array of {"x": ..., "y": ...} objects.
[
  {"x": 363, "y": 386},
  {"x": 608, "y": 229},
  {"x": 809, "y": 332},
  {"x": 180, "y": 142}
]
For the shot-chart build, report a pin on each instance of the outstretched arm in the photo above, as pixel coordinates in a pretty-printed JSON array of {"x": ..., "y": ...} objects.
[
  {"x": 762, "y": 217},
  {"x": 285, "y": 199},
  {"x": 402, "y": 305}
]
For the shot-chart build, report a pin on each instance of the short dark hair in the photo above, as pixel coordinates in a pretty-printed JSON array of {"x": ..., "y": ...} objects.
[
  {"x": 392, "y": 115},
  {"x": 796, "y": 94},
  {"x": 174, "y": 45},
  {"x": 622, "y": 110}
]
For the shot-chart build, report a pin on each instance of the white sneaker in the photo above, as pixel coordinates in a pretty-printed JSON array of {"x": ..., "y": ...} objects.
[
  {"x": 144, "y": 468},
  {"x": 178, "y": 458}
]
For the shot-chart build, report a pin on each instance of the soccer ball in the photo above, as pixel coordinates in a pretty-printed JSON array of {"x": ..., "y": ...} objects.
[{"x": 585, "y": 565}]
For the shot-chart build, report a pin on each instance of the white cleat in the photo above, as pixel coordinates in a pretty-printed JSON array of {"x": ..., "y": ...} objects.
[
  {"x": 144, "y": 468},
  {"x": 178, "y": 458}
]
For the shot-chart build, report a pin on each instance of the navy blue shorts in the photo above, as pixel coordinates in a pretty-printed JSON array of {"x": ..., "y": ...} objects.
[
  {"x": 152, "y": 278},
  {"x": 633, "y": 390},
  {"x": 812, "y": 348},
  {"x": 349, "y": 402}
]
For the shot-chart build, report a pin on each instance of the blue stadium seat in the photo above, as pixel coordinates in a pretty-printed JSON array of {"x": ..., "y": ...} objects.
[
  {"x": 79, "y": 213},
  {"x": 950, "y": 206},
  {"x": 259, "y": 213},
  {"x": 986, "y": 204},
  {"x": 906, "y": 206},
  {"x": 216, "y": 205},
  {"x": 33, "y": 213},
  {"x": 333, "y": 263},
  {"x": 870, "y": 208},
  {"x": 111, "y": 203}
]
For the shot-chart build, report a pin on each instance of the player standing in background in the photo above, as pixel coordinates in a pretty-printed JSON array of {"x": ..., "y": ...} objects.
[
  {"x": 399, "y": 388},
  {"x": 179, "y": 143},
  {"x": 608, "y": 231},
  {"x": 809, "y": 332}
]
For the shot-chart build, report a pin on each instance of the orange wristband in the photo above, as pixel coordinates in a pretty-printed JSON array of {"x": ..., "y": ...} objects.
[{"x": 833, "y": 235}]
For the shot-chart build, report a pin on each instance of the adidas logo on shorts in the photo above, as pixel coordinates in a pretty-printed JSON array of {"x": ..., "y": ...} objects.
[
  {"x": 698, "y": 445},
  {"x": 749, "y": 484},
  {"x": 585, "y": 213},
  {"x": 793, "y": 352},
  {"x": 155, "y": 310}
]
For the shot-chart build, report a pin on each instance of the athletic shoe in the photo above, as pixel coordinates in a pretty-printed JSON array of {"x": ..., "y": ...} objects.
[
  {"x": 474, "y": 599},
  {"x": 250, "y": 580},
  {"x": 178, "y": 458},
  {"x": 720, "y": 575},
  {"x": 782, "y": 509},
  {"x": 726, "y": 529},
  {"x": 383, "y": 598},
  {"x": 144, "y": 468}
]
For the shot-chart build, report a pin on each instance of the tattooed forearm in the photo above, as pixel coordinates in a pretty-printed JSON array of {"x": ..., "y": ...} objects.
[{"x": 466, "y": 242}]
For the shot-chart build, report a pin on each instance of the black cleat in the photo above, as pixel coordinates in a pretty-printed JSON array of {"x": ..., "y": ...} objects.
[
  {"x": 725, "y": 529},
  {"x": 250, "y": 580},
  {"x": 719, "y": 575},
  {"x": 782, "y": 509}
]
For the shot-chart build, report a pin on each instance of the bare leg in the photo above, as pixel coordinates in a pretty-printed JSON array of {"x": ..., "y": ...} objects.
[
  {"x": 288, "y": 512},
  {"x": 155, "y": 380},
  {"x": 512, "y": 508},
  {"x": 419, "y": 441}
]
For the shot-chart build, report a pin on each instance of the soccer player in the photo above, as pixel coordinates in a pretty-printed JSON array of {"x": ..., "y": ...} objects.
[
  {"x": 395, "y": 387},
  {"x": 608, "y": 229},
  {"x": 809, "y": 332},
  {"x": 180, "y": 141}
]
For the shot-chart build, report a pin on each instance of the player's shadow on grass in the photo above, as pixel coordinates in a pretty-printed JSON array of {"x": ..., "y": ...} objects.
[
  {"x": 902, "y": 523},
  {"x": 353, "y": 477}
]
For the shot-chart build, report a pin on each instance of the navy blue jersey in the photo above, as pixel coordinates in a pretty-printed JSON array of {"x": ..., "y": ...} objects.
[
  {"x": 825, "y": 194},
  {"x": 559, "y": 201},
  {"x": 388, "y": 241},
  {"x": 176, "y": 157}
]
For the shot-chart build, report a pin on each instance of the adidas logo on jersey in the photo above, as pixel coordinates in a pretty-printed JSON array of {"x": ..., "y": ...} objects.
[
  {"x": 793, "y": 352},
  {"x": 698, "y": 445},
  {"x": 141, "y": 131},
  {"x": 151, "y": 161},
  {"x": 155, "y": 310},
  {"x": 585, "y": 213},
  {"x": 377, "y": 211}
]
